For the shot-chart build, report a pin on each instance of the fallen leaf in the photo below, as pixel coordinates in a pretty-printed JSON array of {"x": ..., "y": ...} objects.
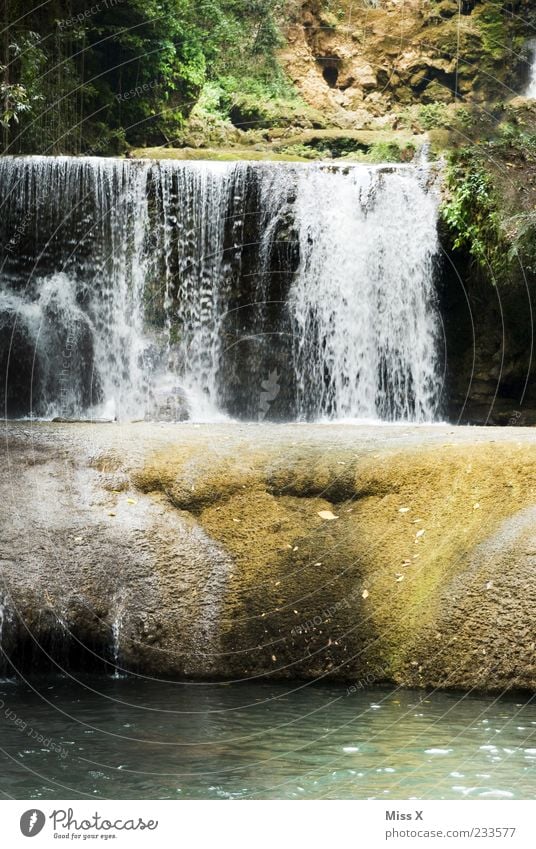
[
  {"x": 111, "y": 514},
  {"x": 420, "y": 533},
  {"x": 327, "y": 514},
  {"x": 399, "y": 577},
  {"x": 131, "y": 501}
]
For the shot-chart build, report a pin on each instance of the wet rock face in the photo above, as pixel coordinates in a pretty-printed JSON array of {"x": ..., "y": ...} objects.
[
  {"x": 169, "y": 405},
  {"x": 17, "y": 364},
  {"x": 257, "y": 329},
  {"x": 95, "y": 574},
  {"x": 47, "y": 358},
  {"x": 482, "y": 649},
  {"x": 487, "y": 344},
  {"x": 232, "y": 551}
]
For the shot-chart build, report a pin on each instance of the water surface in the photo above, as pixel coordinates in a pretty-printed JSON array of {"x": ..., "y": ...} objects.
[{"x": 129, "y": 738}]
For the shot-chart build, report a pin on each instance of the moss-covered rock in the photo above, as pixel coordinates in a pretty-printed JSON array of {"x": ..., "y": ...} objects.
[
  {"x": 346, "y": 563},
  {"x": 404, "y": 53},
  {"x": 274, "y": 551}
]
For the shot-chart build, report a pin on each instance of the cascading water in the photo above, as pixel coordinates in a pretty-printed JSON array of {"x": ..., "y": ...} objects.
[
  {"x": 116, "y": 644},
  {"x": 362, "y": 301},
  {"x": 531, "y": 87},
  {"x": 137, "y": 289},
  {"x": 197, "y": 202},
  {"x": 74, "y": 270}
]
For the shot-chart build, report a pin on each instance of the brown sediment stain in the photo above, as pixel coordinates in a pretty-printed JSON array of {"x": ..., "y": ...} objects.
[{"x": 390, "y": 583}]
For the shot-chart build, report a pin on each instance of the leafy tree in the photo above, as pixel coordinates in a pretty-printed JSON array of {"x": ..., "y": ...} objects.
[{"x": 84, "y": 78}]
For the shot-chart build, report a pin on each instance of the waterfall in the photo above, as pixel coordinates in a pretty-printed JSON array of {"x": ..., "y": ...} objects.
[
  {"x": 117, "y": 611},
  {"x": 74, "y": 271},
  {"x": 197, "y": 201},
  {"x": 362, "y": 302},
  {"x": 116, "y": 645},
  {"x": 530, "y": 91},
  {"x": 170, "y": 289}
]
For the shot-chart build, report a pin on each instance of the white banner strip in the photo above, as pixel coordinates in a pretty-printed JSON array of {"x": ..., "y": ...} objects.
[{"x": 263, "y": 825}]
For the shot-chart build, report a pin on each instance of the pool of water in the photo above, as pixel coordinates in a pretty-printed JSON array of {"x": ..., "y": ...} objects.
[{"x": 131, "y": 738}]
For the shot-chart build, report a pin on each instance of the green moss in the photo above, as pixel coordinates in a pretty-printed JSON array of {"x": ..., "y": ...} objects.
[
  {"x": 492, "y": 24},
  {"x": 219, "y": 154},
  {"x": 330, "y": 20}
]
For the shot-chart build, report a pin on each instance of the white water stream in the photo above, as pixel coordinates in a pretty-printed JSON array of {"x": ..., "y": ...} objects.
[
  {"x": 120, "y": 279},
  {"x": 531, "y": 87}
]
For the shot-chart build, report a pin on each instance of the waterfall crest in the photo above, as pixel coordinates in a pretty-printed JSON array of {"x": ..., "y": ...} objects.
[{"x": 135, "y": 289}]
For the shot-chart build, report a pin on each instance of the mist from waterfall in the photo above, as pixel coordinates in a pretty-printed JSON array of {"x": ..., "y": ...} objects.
[{"x": 136, "y": 289}]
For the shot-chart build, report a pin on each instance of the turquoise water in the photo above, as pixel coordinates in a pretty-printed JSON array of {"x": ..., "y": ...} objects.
[{"x": 132, "y": 738}]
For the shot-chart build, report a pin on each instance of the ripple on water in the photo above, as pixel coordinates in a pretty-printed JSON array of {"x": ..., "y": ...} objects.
[{"x": 155, "y": 740}]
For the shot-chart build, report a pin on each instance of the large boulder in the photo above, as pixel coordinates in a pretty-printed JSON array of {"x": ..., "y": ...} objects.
[{"x": 357, "y": 554}]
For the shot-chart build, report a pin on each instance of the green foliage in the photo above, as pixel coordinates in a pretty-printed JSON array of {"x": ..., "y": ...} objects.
[
  {"x": 432, "y": 115},
  {"x": 491, "y": 180},
  {"x": 471, "y": 213},
  {"x": 390, "y": 152},
  {"x": 79, "y": 78},
  {"x": 304, "y": 151},
  {"x": 15, "y": 101},
  {"x": 513, "y": 139},
  {"x": 24, "y": 95}
]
